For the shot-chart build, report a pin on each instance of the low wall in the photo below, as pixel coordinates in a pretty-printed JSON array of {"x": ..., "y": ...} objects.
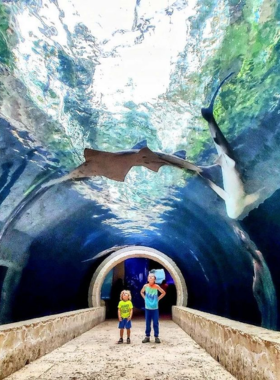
[
  {"x": 23, "y": 342},
  {"x": 246, "y": 351}
]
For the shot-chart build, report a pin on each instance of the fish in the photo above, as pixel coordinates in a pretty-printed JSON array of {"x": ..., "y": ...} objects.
[
  {"x": 115, "y": 166},
  {"x": 233, "y": 193},
  {"x": 263, "y": 287},
  {"x": 264, "y": 292},
  {"x": 106, "y": 252}
]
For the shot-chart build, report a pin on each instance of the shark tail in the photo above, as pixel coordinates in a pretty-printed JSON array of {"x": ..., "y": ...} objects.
[
  {"x": 251, "y": 198},
  {"x": 218, "y": 190},
  {"x": 207, "y": 113}
]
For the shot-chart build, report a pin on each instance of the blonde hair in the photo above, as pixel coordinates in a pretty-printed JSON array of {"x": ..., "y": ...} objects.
[{"x": 125, "y": 291}]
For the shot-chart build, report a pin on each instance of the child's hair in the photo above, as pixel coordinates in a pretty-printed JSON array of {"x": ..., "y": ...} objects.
[{"x": 125, "y": 291}]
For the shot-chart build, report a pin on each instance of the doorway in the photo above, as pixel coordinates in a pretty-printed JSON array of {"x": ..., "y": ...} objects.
[{"x": 118, "y": 263}]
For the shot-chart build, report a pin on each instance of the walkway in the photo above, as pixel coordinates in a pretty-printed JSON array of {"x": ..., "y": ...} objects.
[{"x": 96, "y": 356}]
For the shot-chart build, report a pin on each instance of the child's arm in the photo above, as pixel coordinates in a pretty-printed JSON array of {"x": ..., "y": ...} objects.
[
  {"x": 163, "y": 292},
  {"x": 119, "y": 314},
  {"x": 142, "y": 291},
  {"x": 131, "y": 314}
]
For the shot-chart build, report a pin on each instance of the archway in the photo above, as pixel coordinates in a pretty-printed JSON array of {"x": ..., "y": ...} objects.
[{"x": 94, "y": 294}]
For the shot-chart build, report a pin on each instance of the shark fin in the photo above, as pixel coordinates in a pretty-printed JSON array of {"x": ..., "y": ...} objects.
[
  {"x": 219, "y": 161},
  {"x": 224, "y": 160},
  {"x": 180, "y": 154},
  {"x": 207, "y": 113},
  {"x": 229, "y": 161},
  {"x": 89, "y": 153},
  {"x": 218, "y": 190},
  {"x": 251, "y": 198},
  {"x": 140, "y": 145},
  {"x": 217, "y": 90}
]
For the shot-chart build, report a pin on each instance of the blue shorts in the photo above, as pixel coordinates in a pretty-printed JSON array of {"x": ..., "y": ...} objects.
[{"x": 124, "y": 324}]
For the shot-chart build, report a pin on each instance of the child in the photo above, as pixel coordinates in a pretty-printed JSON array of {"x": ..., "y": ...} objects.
[
  {"x": 125, "y": 312},
  {"x": 150, "y": 294}
]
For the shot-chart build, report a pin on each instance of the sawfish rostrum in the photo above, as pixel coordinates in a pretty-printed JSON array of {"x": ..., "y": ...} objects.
[{"x": 233, "y": 193}]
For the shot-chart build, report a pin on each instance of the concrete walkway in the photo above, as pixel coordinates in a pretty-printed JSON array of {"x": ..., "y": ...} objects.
[{"x": 96, "y": 355}]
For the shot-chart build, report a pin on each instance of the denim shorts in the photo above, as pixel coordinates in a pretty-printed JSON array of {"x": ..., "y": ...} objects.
[{"x": 124, "y": 324}]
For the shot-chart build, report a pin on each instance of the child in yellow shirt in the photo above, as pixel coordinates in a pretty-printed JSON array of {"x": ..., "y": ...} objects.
[{"x": 125, "y": 312}]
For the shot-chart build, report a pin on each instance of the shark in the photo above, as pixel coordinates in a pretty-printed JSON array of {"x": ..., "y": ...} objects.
[
  {"x": 233, "y": 193},
  {"x": 263, "y": 286},
  {"x": 106, "y": 252},
  {"x": 116, "y": 165}
]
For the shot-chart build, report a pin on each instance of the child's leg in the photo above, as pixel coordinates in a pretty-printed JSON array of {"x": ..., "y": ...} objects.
[
  {"x": 121, "y": 333},
  {"x": 156, "y": 322},
  {"x": 148, "y": 318},
  {"x": 128, "y": 333}
]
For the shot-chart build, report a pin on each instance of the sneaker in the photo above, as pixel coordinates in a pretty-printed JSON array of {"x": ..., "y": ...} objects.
[
  {"x": 120, "y": 341},
  {"x": 157, "y": 340},
  {"x": 128, "y": 341},
  {"x": 146, "y": 339}
]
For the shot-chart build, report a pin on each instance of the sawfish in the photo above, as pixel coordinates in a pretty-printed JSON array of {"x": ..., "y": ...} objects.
[
  {"x": 115, "y": 166},
  {"x": 111, "y": 165},
  {"x": 233, "y": 193}
]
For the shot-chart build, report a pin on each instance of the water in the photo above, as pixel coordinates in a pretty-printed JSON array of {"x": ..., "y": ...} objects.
[
  {"x": 93, "y": 80},
  {"x": 104, "y": 76}
]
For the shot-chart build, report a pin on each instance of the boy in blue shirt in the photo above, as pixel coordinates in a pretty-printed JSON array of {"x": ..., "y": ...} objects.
[{"x": 150, "y": 294}]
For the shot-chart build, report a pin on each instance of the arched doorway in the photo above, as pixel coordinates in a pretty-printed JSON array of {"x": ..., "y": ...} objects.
[{"x": 94, "y": 294}]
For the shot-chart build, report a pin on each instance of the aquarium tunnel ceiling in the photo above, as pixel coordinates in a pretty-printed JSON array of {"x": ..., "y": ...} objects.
[{"x": 146, "y": 123}]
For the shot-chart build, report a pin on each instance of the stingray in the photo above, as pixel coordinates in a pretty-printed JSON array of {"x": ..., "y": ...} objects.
[
  {"x": 233, "y": 193},
  {"x": 115, "y": 166}
]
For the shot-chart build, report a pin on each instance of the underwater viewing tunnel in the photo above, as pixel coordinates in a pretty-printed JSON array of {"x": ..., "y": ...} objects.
[{"x": 140, "y": 136}]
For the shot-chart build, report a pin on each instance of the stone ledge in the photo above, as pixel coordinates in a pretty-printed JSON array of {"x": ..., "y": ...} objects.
[
  {"x": 246, "y": 351},
  {"x": 24, "y": 342}
]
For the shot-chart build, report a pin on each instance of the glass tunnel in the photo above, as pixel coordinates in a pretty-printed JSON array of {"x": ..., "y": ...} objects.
[{"x": 140, "y": 123}]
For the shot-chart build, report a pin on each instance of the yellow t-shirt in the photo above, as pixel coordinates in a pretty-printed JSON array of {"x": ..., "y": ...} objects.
[{"x": 125, "y": 307}]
